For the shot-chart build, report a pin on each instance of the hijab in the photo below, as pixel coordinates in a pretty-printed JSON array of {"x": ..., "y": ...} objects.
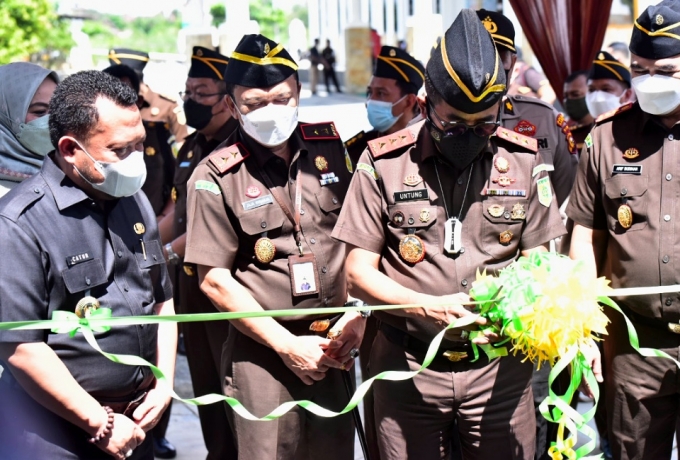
[{"x": 18, "y": 83}]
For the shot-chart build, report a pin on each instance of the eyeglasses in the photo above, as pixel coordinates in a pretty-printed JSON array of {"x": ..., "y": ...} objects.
[
  {"x": 457, "y": 128},
  {"x": 196, "y": 96}
]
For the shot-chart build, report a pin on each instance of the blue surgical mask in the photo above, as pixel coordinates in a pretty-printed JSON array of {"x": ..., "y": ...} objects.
[
  {"x": 35, "y": 136},
  {"x": 380, "y": 114}
]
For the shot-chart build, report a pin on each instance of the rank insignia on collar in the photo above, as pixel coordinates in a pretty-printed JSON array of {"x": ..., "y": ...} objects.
[
  {"x": 518, "y": 212},
  {"x": 501, "y": 164},
  {"x": 505, "y": 237},
  {"x": 321, "y": 163},
  {"x": 253, "y": 191},
  {"x": 631, "y": 153},
  {"x": 139, "y": 228},
  {"x": 509, "y": 108},
  {"x": 504, "y": 181},
  {"x": 412, "y": 180},
  {"x": 496, "y": 210},
  {"x": 526, "y": 128}
]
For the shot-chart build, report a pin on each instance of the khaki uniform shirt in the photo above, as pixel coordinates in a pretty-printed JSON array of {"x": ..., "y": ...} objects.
[
  {"x": 164, "y": 109},
  {"x": 580, "y": 132},
  {"x": 231, "y": 207},
  {"x": 535, "y": 118},
  {"x": 376, "y": 217},
  {"x": 632, "y": 159},
  {"x": 195, "y": 148}
]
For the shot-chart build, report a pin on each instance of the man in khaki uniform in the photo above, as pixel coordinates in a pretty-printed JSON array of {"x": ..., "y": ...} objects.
[
  {"x": 158, "y": 108},
  {"x": 608, "y": 85},
  {"x": 261, "y": 210},
  {"x": 208, "y": 113},
  {"x": 392, "y": 97},
  {"x": 531, "y": 116},
  {"x": 428, "y": 207},
  {"x": 624, "y": 205}
]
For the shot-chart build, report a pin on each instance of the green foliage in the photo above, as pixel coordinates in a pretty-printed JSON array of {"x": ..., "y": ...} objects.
[
  {"x": 30, "y": 27},
  {"x": 157, "y": 33},
  {"x": 218, "y": 13},
  {"x": 273, "y": 21}
]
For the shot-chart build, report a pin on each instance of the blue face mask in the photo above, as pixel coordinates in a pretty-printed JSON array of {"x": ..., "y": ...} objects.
[{"x": 380, "y": 114}]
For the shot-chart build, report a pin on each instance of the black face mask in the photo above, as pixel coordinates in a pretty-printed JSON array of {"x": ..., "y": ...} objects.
[
  {"x": 458, "y": 151},
  {"x": 198, "y": 115},
  {"x": 577, "y": 109}
]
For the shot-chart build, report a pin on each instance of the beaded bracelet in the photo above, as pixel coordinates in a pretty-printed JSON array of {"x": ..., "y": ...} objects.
[{"x": 107, "y": 428}]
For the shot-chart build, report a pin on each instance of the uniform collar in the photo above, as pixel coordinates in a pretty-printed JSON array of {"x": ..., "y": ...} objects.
[
  {"x": 264, "y": 155},
  {"x": 66, "y": 193}
]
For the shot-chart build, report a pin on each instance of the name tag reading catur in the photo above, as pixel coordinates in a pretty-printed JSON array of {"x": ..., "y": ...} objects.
[{"x": 453, "y": 230}]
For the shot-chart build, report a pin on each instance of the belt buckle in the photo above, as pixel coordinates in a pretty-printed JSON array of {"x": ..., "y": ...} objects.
[
  {"x": 674, "y": 328},
  {"x": 320, "y": 325},
  {"x": 456, "y": 356}
]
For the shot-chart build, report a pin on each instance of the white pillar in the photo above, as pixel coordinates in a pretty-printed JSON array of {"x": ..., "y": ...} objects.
[
  {"x": 365, "y": 8},
  {"x": 402, "y": 14},
  {"x": 390, "y": 32},
  {"x": 314, "y": 23},
  {"x": 450, "y": 10},
  {"x": 377, "y": 17}
]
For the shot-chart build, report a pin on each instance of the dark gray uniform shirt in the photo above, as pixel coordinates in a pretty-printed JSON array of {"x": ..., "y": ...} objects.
[{"x": 57, "y": 245}]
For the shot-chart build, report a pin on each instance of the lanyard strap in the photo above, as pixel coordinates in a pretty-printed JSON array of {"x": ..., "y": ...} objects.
[{"x": 293, "y": 216}]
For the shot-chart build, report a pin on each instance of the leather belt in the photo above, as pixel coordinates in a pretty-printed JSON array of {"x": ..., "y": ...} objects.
[
  {"x": 651, "y": 322},
  {"x": 454, "y": 353},
  {"x": 319, "y": 326},
  {"x": 126, "y": 408}
]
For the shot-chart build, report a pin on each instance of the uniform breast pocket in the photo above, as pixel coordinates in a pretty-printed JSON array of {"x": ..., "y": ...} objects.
[
  {"x": 150, "y": 258},
  {"x": 84, "y": 276},
  {"x": 502, "y": 226},
  {"x": 269, "y": 218},
  {"x": 421, "y": 219},
  {"x": 623, "y": 191}
]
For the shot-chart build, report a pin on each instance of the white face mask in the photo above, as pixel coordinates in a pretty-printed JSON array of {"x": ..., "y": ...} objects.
[
  {"x": 600, "y": 102},
  {"x": 271, "y": 125},
  {"x": 122, "y": 178},
  {"x": 658, "y": 95},
  {"x": 35, "y": 135}
]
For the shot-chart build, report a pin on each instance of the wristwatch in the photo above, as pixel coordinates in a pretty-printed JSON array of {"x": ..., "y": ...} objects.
[{"x": 172, "y": 255}]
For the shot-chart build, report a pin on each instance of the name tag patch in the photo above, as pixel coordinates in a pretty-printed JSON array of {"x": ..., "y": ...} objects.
[
  {"x": 627, "y": 169},
  {"x": 411, "y": 195},
  {"x": 257, "y": 202},
  {"x": 78, "y": 259}
]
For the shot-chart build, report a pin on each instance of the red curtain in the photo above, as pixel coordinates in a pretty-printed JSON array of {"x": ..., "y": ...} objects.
[{"x": 565, "y": 35}]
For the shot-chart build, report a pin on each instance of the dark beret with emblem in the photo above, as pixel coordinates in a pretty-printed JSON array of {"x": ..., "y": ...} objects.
[
  {"x": 656, "y": 33},
  {"x": 397, "y": 64},
  {"x": 134, "y": 59},
  {"x": 206, "y": 63},
  {"x": 607, "y": 66},
  {"x": 465, "y": 69},
  {"x": 258, "y": 62},
  {"x": 500, "y": 27}
]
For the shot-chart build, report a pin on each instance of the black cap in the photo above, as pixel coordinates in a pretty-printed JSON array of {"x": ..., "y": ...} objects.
[
  {"x": 258, "y": 62},
  {"x": 206, "y": 63},
  {"x": 656, "y": 33},
  {"x": 607, "y": 66},
  {"x": 500, "y": 27},
  {"x": 465, "y": 69},
  {"x": 397, "y": 64},
  {"x": 136, "y": 60}
]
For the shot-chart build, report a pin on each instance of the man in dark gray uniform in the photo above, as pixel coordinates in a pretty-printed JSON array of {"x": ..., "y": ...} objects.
[{"x": 76, "y": 237}]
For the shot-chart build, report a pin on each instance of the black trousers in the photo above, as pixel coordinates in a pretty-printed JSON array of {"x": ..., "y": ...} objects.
[
  {"x": 329, "y": 74},
  {"x": 29, "y": 431}
]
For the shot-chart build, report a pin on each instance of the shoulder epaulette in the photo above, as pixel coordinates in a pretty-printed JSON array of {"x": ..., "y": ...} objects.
[
  {"x": 613, "y": 113},
  {"x": 517, "y": 139},
  {"x": 402, "y": 138},
  {"x": 352, "y": 140},
  {"x": 17, "y": 205},
  {"x": 319, "y": 131},
  {"x": 530, "y": 100},
  {"x": 226, "y": 158}
]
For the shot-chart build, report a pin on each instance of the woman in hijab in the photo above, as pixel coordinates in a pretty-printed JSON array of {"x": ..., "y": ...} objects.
[{"x": 25, "y": 95}]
